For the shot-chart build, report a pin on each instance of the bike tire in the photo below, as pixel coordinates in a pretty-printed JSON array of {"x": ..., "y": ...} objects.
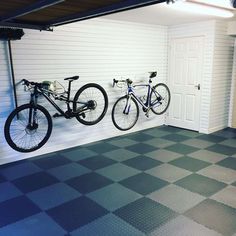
[
  {"x": 102, "y": 110},
  {"x": 116, "y": 119},
  {"x": 166, "y": 105},
  {"x": 18, "y": 114}
]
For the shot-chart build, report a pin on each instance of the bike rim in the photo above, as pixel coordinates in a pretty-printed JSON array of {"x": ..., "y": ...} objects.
[
  {"x": 125, "y": 121},
  {"x": 161, "y": 99},
  {"x": 92, "y": 113},
  {"x": 28, "y": 136}
]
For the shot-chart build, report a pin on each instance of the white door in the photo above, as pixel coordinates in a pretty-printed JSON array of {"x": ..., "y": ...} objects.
[{"x": 186, "y": 65}]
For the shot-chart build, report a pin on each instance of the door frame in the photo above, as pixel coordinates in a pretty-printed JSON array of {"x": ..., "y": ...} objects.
[{"x": 170, "y": 43}]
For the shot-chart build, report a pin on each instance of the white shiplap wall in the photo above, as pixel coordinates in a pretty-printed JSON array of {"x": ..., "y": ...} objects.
[
  {"x": 221, "y": 78},
  {"x": 98, "y": 50},
  {"x": 205, "y": 29}
]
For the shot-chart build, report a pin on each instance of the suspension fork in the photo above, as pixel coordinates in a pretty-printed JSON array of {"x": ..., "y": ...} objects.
[{"x": 33, "y": 110}]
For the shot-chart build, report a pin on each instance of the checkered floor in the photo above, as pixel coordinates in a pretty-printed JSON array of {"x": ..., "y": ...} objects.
[{"x": 161, "y": 181}]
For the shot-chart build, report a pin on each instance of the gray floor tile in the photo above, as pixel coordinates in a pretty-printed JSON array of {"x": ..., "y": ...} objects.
[
  {"x": 208, "y": 156},
  {"x": 114, "y": 196},
  {"x": 163, "y": 155},
  {"x": 118, "y": 172},
  {"x": 168, "y": 172},
  {"x": 122, "y": 142},
  {"x": 214, "y": 215},
  {"x": 176, "y": 198},
  {"x": 219, "y": 173},
  {"x": 189, "y": 133},
  {"x": 160, "y": 142},
  {"x": 226, "y": 196},
  {"x": 157, "y": 133},
  {"x": 183, "y": 226},
  {"x": 198, "y": 143},
  {"x": 120, "y": 154},
  {"x": 229, "y": 142}
]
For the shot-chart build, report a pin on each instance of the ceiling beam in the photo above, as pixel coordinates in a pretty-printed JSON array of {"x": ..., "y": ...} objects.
[
  {"x": 113, "y": 8},
  {"x": 39, "y": 5}
]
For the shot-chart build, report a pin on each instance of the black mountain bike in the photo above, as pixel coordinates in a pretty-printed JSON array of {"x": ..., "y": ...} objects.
[
  {"x": 125, "y": 111},
  {"x": 29, "y": 126}
]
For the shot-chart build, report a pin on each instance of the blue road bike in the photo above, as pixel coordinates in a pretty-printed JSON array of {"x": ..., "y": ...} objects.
[{"x": 125, "y": 111}]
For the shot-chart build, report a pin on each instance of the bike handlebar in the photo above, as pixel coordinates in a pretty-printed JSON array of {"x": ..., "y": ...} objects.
[{"x": 128, "y": 81}]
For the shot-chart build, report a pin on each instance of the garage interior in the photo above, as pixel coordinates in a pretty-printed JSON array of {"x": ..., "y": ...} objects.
[{"x": 173, "y": 174}]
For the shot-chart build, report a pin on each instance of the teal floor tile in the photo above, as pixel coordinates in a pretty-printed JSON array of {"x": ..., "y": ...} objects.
[{"x": 182, "y": 149}]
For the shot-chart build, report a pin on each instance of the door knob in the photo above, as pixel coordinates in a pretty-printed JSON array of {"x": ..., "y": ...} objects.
[{"x": 198, "y": 86}]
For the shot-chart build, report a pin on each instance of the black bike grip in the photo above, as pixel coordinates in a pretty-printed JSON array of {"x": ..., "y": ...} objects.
[{"x": 114, "y": 82}]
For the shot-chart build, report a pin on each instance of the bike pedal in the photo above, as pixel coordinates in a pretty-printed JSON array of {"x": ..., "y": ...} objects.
[
  {"x": 56, "y": 115},
  {"x": 147, "y": 115}
]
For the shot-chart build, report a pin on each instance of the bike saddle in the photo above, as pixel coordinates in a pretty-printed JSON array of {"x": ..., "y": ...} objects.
[
  {"x": 72, "y": 78},
  {"x": 152, "y": 74}
]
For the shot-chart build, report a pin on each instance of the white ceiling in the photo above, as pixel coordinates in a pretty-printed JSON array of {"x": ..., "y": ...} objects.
[{"x": 161, "y": 14}]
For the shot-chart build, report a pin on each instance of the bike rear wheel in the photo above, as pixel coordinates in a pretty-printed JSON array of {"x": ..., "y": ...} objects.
[
  {"x": 25, "y": 136},
  {"x": 91, "y": 103},
  {"x": 125, "y": 113},
  {"x": 160, "y": 98}
]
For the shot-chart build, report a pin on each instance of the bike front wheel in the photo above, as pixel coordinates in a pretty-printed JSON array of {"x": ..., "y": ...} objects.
[
  {"x": 28, "y": 128},
  {"x": 91, "y": 103},
  {"x": 160, "y": 98},
  {"x": 125, "y": 113}
]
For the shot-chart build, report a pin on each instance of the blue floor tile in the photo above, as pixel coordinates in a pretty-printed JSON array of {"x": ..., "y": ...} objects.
[
  {"x": 53, "y": 195},
  {"x": 76, "y": 213},
  {"x": 19, "y": 170},
  {"x": 33, "y": 182},
  {"x": 16, "y": 209},
  {"x": 8, "y": 191},
  {"x": 89, "y": 182},
  {"x": 36, "y": 225}
]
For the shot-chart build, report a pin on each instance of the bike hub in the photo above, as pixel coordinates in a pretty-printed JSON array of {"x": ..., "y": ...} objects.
[{"x": 92, "y": 104}]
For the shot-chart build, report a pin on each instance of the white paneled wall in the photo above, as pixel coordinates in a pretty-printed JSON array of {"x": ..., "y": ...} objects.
[
  {"x": 221, "y": 78},
  {"x": 97, "y": 50},
  {"x": 205, "y": 29}
]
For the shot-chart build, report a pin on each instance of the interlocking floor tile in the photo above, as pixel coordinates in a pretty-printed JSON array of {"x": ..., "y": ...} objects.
[
  {"x": 117, "y": 172},
  {"x": 106, "y": 226},
  {"x": 228, "y": 163},
  {"x": 51, "y": 162},
  {"x": 142, "y": 163},
  {"x": 19, "y": 170},
  {"x": 77, "y": 154},
  {"x": 76, "y": 213},
  {"x": 163, "y": 155},
  {"x": 157, "y": 133},
  {"x": 140, "y": 137},
  {"x": 159, "y": 142},
  {"x": 176, "y": 198},
  {"x": 223, "y": 149},
  {"x": 211, "y": 138},
  {"x": 141, "y": 148},
  {"x": 219, "y": 173},
  {"x": 182, "y": 149},
  {"x": 33, "y": 182},
  {"x": 226, "y": 196},
  {"x": 53, "y": 195},
  {"x": 155, "y": 214},
  {"x": 88, "y": 182},
  {"x": 208, "y": 156},
  {"x": 200, "y": 184},
  {"x": 8, "y": 191},
  {"x": 176, "y": 137},
  {"x": 189, "y": 133},
  {"x": 183, "y": 226},
  {"x": 198, "y": 143},
  {"x": 97, "y": 162},
  {"x": 2, "y": 179},
  {"x": 16, "y": 209},
  {"x": 68, "y": 171},
  {"x": 170, "y": 129},
  {"x": 214, "y": 215},
  {"x": 102, "y": 147},
  {"x": 226, "y": 133},
  {"x": 113, "y": 196},
  {"x": 189, "y": 163},
  {"x": 168, "y": 172},
  {"x": 120, "y": 154},
  {"x": 229, "y": 142},
  {"x": 122, "y": 142},
  {"x": 143, "y": 183},
  {"x": 37, "y": 225}
]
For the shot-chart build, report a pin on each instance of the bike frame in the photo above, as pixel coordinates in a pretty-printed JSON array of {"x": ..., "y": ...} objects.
[
  {"x": 131, "y": 93},
  {"x": 46, "y": 93}
]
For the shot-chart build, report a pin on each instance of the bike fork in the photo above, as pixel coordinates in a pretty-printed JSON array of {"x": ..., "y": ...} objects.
[{"x": 127, "y": 106}]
